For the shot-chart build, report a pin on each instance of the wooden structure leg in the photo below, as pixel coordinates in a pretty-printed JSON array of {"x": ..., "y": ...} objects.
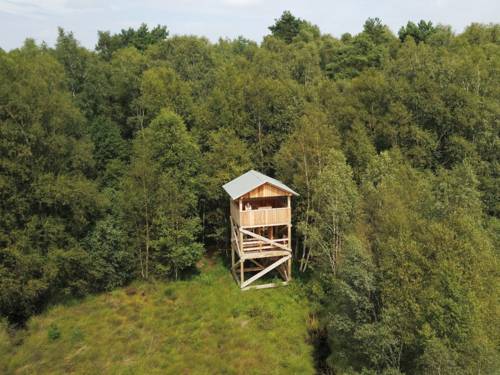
[{"x": 276, "y": 256}]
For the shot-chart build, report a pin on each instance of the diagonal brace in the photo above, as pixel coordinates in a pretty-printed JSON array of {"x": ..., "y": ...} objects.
[
  {"x": 264, "y": 239},
  {"x": 265, "y": 270}
]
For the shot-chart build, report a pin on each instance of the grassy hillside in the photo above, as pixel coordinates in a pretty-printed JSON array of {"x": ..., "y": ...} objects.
[{"x": 204, "y": 325}]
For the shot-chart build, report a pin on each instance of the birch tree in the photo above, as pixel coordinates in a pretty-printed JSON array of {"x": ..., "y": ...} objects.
[
  {"x": 332, "y": 213},
  {"x": 159, "y": 197}
]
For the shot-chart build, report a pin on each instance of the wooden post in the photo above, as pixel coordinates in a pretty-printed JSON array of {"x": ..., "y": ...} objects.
[
  {"x": 265, "y": 270},
  {"x": 242, "y": 275},
  {"x": 289, "y": 263},
  {"x": 232, "y": 252},
  {"x": 289, "y": 238},
  {"x": 232, "y": 236}
]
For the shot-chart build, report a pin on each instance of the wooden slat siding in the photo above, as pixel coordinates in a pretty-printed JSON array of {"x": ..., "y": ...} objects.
[
  {"x": 266, "y": 190},
  {"x": 271, "y": 216}
]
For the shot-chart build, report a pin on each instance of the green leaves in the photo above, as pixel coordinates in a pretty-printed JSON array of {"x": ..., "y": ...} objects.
[
  {"x": 140, "y": 38},
  {"x": 159, "y": 197},
  {"x": 226, "y": 158},
  {"x": 111, "y": 166},
  {"x": 287, "y": 26},
  {"x": 419, "y": 32}
]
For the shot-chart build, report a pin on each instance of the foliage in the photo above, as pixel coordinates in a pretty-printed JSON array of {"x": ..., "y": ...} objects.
[
  {"x": 332, "y": 212},
  {"x": 226, "y": 158},
  {"x": 112, "y": 161},
  {"x": 419, "y": 32},
  {"x": 53, "y": 333},
  {"x": 140, "y": 39},
  {"x": 160, "y": 200},
  {"x": 287, "y": 27},
  {"x": 110, "y": 255}
]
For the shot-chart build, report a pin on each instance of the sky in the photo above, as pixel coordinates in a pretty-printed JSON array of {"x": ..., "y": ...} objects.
[{"x": 214, "y": 19}]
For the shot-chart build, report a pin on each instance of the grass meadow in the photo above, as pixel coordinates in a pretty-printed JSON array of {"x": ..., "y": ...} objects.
[{"x": 203, "y": 325}]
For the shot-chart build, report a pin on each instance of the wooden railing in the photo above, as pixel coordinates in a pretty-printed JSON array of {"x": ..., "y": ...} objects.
[{"x": 268, "y": 216}]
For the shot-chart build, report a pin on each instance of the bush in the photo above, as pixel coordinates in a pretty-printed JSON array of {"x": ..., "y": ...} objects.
[
  {"x": 170, "y": 293},
  {"x": 112, "y": 262},
  {"x": 53, "y": 332}
]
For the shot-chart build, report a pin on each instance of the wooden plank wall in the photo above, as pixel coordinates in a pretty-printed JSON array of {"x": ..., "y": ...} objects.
[
  {"x": 266, "y": 190},
  {"x": 271, "y": 216}
]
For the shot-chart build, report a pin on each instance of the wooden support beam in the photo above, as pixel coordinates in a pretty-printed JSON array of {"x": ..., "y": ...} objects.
[
  {"x": 236, "y": 237},
  {"x": 282, "y": 272},
  {"x": 256, "y": 263},
  {"x": 264, "y": 239},
  {"x": 232, "y": 253},
  {"x": 266, "y": 225},
  {"x": 254, "y": 242},
  {"x": 264, "y": 286},
  {"x": 264, "y": 271},
  {"x": 237, "y": 263},
  {"x": 235, "y": 277},
  {"x": 253, "y": 269},
  {"x": 242, "y": 273},
  {"x": 259, "y": 248},
  {"x": 266, "y": 254}
]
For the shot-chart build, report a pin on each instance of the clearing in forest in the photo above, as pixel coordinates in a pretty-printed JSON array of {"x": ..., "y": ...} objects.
[{"x": 204, "y": 325}]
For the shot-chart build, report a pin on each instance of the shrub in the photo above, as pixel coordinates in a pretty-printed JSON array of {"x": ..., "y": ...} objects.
[
  {"x": 170, "y": 293},
  {"x": 53, "y": 332}
]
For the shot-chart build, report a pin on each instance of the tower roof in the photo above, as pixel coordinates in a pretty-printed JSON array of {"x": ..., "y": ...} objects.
[{"x": 250, "y": 181}]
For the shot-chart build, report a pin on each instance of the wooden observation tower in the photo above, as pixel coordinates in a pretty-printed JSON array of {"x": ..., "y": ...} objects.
[{"x": 261, "y": 229}]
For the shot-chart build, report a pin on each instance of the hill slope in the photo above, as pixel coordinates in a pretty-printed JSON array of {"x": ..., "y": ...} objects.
[{"x": 201, "y": 326}]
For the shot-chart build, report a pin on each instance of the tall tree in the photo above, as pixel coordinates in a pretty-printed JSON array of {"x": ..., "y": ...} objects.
[
  {"x": 333, "y": 212},
  {"x": 159, "y": 197},
  {"x": 140, "y": 38},
  {"x": 302, "y": 157},
  {"x": 287, "y": 26},
  {"x": 227, "y": 157},
  {"x": 48, "y": 202},
  {"x": 419, "y": 32}
]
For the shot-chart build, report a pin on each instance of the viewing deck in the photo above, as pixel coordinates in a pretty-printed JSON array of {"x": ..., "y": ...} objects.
[{"x": 261, "y": 216}]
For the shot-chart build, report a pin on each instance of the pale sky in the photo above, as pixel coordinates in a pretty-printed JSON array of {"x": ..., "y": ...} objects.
[{"x": 223, "y": 18}]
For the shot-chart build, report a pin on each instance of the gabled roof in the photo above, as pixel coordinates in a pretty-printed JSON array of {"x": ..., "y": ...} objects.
[{"x": 250, "y": 181}]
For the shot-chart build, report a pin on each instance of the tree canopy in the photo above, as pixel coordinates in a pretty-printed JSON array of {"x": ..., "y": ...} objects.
[{"x": 112, "y": 161}]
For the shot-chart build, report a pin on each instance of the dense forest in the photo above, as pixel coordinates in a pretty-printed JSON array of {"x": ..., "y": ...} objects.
[{"x": 112, "y": 162}]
